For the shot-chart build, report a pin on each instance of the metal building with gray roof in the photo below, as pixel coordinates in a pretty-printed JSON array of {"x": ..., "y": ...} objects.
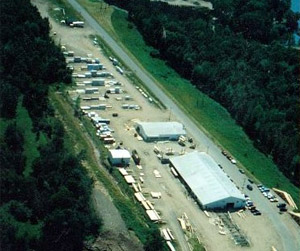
[
  {"x": 159, "y": 131},
  {"x": 207, "y": 181}
]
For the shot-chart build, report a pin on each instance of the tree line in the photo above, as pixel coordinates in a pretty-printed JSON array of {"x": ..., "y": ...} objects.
[
  {"x": 50, "y": 208},
  {"x": 241, "y": 55}
]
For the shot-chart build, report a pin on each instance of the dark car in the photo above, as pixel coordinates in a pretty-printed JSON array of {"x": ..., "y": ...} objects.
[
  {"x": 257, "y": 213},
  {"x": 251, "y": 181},
  {"x": 282, "y": 209},
  {"x": 249, "y": 187},
  {"x": 224, "y": 153},
  {"x": 281, "y": 205}
]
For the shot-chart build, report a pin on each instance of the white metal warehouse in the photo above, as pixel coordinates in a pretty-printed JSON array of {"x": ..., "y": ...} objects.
[
  {"x": 119, "y": 157},
  {"x": 207, "y": 181},
  {"x": 158, "y": 131}
]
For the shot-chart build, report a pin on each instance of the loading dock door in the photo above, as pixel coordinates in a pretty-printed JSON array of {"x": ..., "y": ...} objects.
[{"x": 229, "y": 205}]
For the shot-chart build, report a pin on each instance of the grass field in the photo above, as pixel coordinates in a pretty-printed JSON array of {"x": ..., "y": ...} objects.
[
  {"x": 207, "y": 113},
  {"x": 101, "y": 12},
  {"x": 31, "y": 143}
]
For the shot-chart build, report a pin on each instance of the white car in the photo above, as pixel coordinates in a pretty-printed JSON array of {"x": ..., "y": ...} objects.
[
  {"x": 265, "y": 194},
  {"x": 274, "y": 199}
]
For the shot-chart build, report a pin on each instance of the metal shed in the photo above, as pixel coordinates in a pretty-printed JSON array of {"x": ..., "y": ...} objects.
[
  {"x": 159, "y": 131},
  {"x": 119, "y": 157}
]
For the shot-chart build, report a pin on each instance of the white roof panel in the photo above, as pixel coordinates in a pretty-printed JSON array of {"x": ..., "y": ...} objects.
[
  {"x": 129, "y": 179},
  {"x": 153, "y": 215},
  {"x": 161, "y": 129},
  {"x": 120, "y": 154},
  {"x": 206, "y": 179},
  {"x": 123, "y": 171}
]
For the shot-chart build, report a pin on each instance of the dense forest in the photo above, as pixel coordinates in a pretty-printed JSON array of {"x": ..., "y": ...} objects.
[
  {"x": 241, "y": 55},
  {"x": 44, "y": 206}
]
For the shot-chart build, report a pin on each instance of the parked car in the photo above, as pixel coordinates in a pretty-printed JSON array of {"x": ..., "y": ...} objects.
[
  {"x": 265, "y": 194},
  {"x": 257, "y": 212},
  {"x": 249, "y": 203},
  {"x": 281, "y": 205},
  {"x": 251, "y": 181},
  {"x": 283, "y": 209},
  {"x": 224, "y": 153},
  {"x": 241, "y": 171},
  {"x": 274, "y": 199},
  {"x": 233, "y": 161},
  {"x": 249, "y": 187}
]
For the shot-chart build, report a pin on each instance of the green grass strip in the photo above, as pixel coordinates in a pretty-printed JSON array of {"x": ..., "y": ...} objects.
[
  {"x": 24, "y": 123},
  {"x": 62, "y": 10}
]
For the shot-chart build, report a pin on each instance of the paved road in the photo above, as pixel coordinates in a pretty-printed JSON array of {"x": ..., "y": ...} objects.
[{"x": 290, "y": 238}]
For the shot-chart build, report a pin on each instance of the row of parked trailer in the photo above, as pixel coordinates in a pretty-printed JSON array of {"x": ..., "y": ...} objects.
[
  {"x": 93, "y": 69},
  {"x": 90, "y": 86}
]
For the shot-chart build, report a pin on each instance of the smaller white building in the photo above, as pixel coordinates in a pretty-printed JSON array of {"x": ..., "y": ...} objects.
[
  {"x": 119, "y": 157},
  {"x": 159, "y": 131}
]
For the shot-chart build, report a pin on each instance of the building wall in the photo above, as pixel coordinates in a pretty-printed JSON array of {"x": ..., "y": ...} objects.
[
  {"x": 118, "y": 161},
  {"x": 223, "y": 204}
]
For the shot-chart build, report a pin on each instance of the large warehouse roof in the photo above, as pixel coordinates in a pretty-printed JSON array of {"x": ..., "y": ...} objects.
[
  {"x": 161, "y": 129},
  {"x": 206, "y": 179}
]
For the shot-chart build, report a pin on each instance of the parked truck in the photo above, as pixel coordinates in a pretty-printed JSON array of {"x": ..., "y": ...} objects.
[{"x": 136, "y": 158}]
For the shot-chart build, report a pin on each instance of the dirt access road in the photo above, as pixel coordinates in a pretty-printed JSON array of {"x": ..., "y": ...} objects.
[{"x": 287, "y": 230}]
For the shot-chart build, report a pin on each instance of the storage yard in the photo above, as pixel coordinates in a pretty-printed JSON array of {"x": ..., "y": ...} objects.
[
  {"x": 123, "y": 115},
  {"x": 118, "y": 110}
]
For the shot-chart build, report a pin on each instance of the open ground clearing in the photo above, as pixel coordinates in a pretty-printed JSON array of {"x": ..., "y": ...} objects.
[{"x": 188, "y": 3}]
